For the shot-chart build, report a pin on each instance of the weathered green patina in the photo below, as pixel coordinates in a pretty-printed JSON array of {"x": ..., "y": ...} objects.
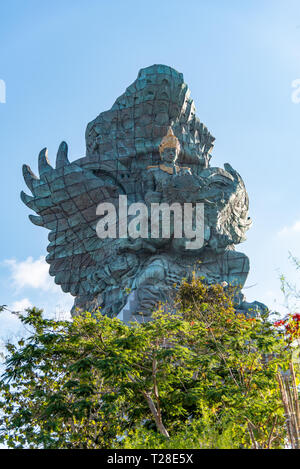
[{"x": 124, "y": 157}]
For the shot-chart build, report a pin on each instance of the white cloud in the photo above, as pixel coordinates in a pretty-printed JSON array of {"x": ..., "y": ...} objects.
[
  {"x": 290, "y": 230},
  {"x": 31, "y": 273},
  {"x": 10, "y": 324},
  {"x": 10, "y": 327},
  {"x": 21, "y": 305},
  {"x": 31, "y": 276}
]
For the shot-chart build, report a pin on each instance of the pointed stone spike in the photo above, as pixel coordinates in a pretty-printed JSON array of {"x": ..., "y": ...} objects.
[
  {"x": 62, "y": 156},
  {"x": 29, "y": 177},
  {"x": 26, "y": 199},
  {"x": 36, "y": 220},
  {"x": 44, "y": 165}
]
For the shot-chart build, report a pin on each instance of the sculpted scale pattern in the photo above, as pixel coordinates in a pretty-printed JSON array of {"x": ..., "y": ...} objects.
[{"x": 123, "y": 158}]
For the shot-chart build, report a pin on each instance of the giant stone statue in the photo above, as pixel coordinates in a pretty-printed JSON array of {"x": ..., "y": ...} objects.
[{"x": 151, "y": 148}]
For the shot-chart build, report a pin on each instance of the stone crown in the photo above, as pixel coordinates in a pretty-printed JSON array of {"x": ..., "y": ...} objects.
[{"x": 169, "y": 141}]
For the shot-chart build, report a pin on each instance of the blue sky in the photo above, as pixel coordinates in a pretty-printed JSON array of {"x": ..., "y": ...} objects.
[{"x": 66, "y": 61}]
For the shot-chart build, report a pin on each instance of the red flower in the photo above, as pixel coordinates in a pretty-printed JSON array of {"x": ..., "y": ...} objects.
[{"x": 279, "y": 323}]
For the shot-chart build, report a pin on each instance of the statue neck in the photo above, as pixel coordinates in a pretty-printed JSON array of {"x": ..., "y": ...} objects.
[{"x": 168, "y": 164}]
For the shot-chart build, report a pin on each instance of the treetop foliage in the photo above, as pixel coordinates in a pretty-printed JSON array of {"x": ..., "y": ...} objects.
[{"x": 204, "y": 375}]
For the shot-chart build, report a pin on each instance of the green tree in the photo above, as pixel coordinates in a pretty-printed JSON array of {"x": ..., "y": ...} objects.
[{"x": 205, "y": 372}]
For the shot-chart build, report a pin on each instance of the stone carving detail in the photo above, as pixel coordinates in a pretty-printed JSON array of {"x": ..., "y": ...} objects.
[{"x": 151, "y": 147}]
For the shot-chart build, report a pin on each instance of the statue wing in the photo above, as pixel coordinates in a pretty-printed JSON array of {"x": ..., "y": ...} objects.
[{"x": 65, "y": 200}]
